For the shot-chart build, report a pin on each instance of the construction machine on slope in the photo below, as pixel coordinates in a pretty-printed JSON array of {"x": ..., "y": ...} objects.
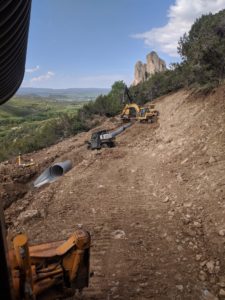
[
  {"x": 51, "y": 270},
  {"x": 105, "y": 138},
  {"x": 133, "y": 111}
]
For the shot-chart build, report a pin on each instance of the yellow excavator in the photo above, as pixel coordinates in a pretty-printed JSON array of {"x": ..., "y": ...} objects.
[
  {"x": 133, "y": 111},
  {"x": 46, "y": 271}
]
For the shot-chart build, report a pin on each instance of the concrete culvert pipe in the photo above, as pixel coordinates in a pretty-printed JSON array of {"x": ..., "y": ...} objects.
[{"x": 52, "y": 173}]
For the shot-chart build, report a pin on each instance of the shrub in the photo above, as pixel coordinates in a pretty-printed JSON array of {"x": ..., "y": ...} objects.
[
  {"x": 107, "y": 105},
  {"x": 202, "y": 50}
]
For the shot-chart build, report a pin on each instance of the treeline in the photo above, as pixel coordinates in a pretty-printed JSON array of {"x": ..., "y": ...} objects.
[{"x": 108, "y": 105}]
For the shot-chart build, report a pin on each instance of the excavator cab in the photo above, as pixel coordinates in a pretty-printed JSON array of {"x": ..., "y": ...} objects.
[
  {"x": 133, "y": 112},
  {"x": 143, "y": 110},
  {"x": 130, "y": 111},
  {"x": 97, "y": 142}
]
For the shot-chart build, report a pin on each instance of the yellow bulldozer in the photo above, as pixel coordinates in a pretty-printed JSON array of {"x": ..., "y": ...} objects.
[
  {"x": 132, "y": 111},
  {"x": 46, "y": 271}
]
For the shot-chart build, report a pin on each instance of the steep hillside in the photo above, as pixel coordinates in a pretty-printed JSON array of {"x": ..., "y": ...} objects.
[{"x": 154, "y": 205}]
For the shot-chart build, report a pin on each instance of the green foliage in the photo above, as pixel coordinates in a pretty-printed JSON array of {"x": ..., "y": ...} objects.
[
  {"x": 159, "y": 84},
  {"x": 202, "y": 51},
  {"x": 29, "y": 125},
  {"x": 108, "y": 105}
]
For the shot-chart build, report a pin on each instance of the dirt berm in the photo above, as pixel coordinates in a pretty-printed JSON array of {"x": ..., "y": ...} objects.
[{"x": 154, "y": 205}]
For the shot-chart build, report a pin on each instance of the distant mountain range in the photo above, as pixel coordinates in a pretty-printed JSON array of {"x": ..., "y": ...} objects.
[{"x": 71, "y": 94}]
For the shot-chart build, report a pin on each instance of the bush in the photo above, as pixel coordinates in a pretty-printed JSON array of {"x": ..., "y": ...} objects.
[
  {"x": 203, "y": 50},
  {"x": 107, "y": 105}
]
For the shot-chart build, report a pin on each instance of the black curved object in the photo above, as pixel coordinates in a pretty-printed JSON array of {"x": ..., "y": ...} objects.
[{"x": 14, "y": 27}]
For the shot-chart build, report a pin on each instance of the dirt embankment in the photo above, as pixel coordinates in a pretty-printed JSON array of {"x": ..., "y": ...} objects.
[{"x": 154, "y": 205}]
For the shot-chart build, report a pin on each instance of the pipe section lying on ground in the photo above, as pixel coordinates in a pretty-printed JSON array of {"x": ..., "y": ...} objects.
[
  {"x": 120, "y": 129},
  {"x": 53, "y": 173},
  {"x": 115, "y": 132}
]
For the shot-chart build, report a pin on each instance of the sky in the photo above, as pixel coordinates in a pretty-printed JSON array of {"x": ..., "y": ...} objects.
[{"x": 93, "y": 43}]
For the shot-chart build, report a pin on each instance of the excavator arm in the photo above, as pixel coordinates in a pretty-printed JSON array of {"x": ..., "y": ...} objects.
[
  {"x": 130, "y": 111},
  {"x": 127, "y": 96}
]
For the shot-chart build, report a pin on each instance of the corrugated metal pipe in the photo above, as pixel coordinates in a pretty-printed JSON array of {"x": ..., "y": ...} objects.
[{"x": 53, "y": 173}]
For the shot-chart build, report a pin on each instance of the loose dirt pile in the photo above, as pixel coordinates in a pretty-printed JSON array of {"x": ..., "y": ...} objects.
[{"x": 154, "y": 205}]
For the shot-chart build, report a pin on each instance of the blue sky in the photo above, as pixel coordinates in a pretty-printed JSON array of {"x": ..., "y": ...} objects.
[{"x": 92, "y": 43}]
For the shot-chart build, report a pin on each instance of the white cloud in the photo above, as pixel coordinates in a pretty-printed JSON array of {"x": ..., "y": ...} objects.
[
  {"x": 44, "y": 77},
  {"x": 181, "y": 16},
  {"x": 32, "y": 70}
]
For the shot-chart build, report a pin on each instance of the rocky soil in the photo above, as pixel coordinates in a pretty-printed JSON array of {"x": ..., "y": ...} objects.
[{"x": 154, "y": 204}]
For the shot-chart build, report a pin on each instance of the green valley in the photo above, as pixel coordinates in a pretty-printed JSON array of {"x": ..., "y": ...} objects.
[{"x": 31, "y": 123}]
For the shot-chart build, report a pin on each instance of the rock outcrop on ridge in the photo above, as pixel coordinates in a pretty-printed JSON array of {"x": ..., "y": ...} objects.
[{"x": 143, "y": 71}]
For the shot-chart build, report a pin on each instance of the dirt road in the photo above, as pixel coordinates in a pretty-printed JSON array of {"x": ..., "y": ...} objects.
[{"x": 154, "y": 205}]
